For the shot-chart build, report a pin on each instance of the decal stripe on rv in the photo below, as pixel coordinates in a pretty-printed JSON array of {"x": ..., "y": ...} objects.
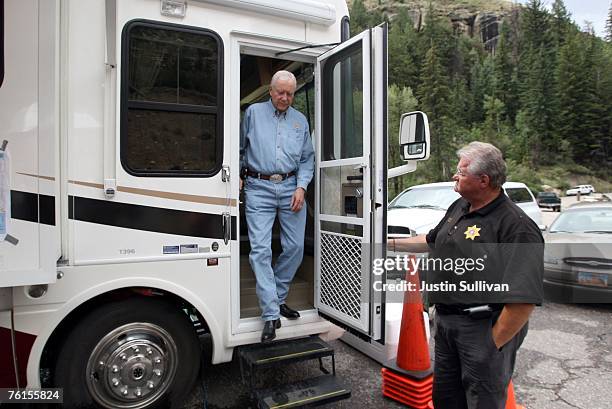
[
  {"x": 155, "y": 219},
  {"x": 33, "y": 207}
]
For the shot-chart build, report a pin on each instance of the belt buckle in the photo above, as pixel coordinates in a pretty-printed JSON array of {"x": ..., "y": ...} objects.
[{"x": 276, "y": 178}]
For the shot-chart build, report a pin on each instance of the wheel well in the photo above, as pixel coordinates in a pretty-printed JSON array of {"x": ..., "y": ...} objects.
[{"x": 61, "y": 331}]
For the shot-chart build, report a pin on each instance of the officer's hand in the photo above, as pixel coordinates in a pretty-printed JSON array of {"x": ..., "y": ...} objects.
[{"x": 297, "y": 201}]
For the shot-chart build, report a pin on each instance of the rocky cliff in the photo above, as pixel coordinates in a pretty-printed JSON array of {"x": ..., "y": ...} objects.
[{"x": 475, "y": 18}]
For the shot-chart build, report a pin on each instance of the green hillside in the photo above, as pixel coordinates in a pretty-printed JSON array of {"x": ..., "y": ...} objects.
[{"x": 525, "y": 78}]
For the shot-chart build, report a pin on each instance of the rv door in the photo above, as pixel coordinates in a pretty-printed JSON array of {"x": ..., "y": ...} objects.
[
  {"x": 351, "y": 180},
  {"x": 29, "y": 175}
]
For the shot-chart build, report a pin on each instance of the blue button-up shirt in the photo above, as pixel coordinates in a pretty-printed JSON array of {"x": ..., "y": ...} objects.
[{"x": 276, "y": 142}]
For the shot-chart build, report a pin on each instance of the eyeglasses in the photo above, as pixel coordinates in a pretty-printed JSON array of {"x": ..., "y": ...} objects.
[
  {"x": 459, "y": 172},
  {"x": 462, "y": 173}
]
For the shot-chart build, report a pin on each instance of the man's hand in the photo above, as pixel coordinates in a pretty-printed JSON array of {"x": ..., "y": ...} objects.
[
  {"x": 297, "y": 201},
  {"x": 416, "y": 244},
  {"x": 512, "y": 318},
  {"x": 241, "y": 184}
]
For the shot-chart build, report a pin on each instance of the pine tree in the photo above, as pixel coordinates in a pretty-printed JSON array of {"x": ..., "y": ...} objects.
[
  {"x": 433, "y": 98},
  {"x": 482, "y": 82},
  {"x": 359, "y": 17},
  {"x": 609, "y": 25},
  {"x": 404, "y": 52},
  {"x": 594, "y": 118},
  {"x": 506, "y": 87},
  {"x": 561, "y": 23},
  {"x": 570, "y": 89},
  {"x": 537, "y": 83}
]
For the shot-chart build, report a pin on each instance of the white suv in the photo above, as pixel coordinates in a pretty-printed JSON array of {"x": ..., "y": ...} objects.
[
  {"x": 419, "y": 208},
  {"x": 582, "y": 189}
]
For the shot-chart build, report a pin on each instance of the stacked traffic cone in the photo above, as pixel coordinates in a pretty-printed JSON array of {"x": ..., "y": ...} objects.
[{"x": 409, "y": 379}]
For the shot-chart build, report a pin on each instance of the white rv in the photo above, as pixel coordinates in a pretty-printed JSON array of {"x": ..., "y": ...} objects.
[{"x": 122, "y": 222}]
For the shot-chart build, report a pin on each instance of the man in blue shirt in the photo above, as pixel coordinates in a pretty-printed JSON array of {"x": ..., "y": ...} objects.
[{"x": 277, "y": 161}]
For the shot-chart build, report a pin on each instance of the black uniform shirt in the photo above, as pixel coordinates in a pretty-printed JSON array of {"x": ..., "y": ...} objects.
[{"x": 504, "y": 245}]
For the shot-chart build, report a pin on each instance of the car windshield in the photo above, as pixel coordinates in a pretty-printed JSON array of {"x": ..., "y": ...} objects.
[
  {"x": 518, "y": 195},
  {"x": 584, "y": 221},
  {"x": 546, "y": 194},
  {"x": 440, "y": 197}
]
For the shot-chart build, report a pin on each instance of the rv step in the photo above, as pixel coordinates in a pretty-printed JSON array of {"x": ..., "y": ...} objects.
[
  {"x": 284, "y": 352},
  {"x": 310, "y": 392}
]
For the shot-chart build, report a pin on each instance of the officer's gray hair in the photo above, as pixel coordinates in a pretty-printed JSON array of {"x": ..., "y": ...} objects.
[
  {"x": 485, "y": 159},
  {"x": 283, "y": 76}
]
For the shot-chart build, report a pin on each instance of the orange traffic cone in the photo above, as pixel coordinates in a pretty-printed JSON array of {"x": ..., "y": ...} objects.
[
  {"x": 510, "y": 402},
  {"x": 409, "y": 379},
  {"x": 413, "y": 349}
]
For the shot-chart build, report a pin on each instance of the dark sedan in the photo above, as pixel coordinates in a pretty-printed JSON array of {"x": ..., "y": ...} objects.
[{"x": 549, "y": 200}]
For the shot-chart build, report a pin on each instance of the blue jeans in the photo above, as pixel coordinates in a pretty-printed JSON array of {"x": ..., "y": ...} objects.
[{"x": 264, "y": 200}]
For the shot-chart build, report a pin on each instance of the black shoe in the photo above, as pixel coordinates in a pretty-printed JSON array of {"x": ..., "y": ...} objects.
[
  {"x": 269, "y": 330},
  {"x": 288, "y": 312}
]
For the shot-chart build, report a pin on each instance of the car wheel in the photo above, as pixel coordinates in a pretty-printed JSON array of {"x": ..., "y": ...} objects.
[{"x": 137, "y": 353}]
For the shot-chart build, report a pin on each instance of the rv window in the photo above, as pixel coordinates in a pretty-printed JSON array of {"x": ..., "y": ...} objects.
[{"x": 171, "y": 100}]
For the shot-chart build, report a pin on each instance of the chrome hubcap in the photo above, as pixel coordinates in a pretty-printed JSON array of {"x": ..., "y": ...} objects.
[{"x": 132, "y": 366}]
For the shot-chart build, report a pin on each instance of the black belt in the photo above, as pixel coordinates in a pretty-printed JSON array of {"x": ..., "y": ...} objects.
[
  {"x": 277, "y": 177},
  {"x": 474, "y": 311}
]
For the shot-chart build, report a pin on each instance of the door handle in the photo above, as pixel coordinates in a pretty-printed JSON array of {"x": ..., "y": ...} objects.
[{"x": 227, "y": 227}]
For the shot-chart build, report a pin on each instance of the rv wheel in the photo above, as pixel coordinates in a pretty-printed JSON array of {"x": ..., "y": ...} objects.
[{"x": 136, "y": 353}]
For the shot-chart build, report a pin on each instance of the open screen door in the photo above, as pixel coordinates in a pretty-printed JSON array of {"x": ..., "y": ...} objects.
[{"x": 351, "y": 180}]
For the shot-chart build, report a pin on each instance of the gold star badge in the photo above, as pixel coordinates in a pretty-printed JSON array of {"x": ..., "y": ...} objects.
[{"x": 472, "y": 232}]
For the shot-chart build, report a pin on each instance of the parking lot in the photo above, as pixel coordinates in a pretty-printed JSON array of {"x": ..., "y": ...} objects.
[{"x": 565, "y": 362}]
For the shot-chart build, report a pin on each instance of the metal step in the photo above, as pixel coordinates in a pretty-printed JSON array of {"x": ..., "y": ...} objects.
[
  {"x": 310, "y": 392},
  {"x": 283, "y": 352}
]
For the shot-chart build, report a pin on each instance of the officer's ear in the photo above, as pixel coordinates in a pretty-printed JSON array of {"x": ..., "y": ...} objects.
[{"x": 485, "y": 181}]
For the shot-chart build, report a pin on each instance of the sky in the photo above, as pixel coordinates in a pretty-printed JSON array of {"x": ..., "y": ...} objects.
[{"x": 595, "y": 11}]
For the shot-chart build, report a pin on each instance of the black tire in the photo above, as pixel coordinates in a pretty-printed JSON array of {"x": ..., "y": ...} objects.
[{"x": 147, "y": 345}]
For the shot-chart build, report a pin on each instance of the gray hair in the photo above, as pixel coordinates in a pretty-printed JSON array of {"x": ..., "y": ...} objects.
[
  {"x": 485, "y": 159},
  {"x": 283, "y": 75}
]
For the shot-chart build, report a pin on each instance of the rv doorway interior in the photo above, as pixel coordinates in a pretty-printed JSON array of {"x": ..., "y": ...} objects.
[{"x": 255, "y": 75}]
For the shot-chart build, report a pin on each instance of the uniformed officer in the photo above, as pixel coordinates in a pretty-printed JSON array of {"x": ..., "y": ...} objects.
[
  {"x": 277, "y": 161},
  {"x": 477, "y": 332}
]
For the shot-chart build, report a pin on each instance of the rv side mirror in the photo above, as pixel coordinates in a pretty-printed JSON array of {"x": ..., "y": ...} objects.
[{"x": 414, "y": 136}]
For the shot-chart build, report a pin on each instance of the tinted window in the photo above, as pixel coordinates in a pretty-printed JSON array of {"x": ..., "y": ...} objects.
[
  {"x": 343, "y": 94},
  {"x": 519, "y": 195},
  {"x": 171, "y": 100}
]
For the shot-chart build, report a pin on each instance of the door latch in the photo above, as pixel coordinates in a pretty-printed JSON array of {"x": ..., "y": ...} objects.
[{"x": 225, "y": 173}]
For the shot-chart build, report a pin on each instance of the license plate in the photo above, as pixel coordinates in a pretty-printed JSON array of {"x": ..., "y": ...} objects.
[{"x": 593, "y": 279}]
